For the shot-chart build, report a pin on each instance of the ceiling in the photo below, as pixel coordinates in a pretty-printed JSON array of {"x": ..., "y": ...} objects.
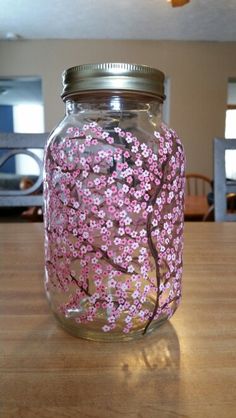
[{"x": 205, "y": 20}]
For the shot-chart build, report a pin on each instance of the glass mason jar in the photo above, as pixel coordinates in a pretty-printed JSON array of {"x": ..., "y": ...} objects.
[{"x": 114, "y": 191}]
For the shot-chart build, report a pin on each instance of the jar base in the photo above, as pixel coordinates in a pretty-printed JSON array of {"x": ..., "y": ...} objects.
[{"x": 83, "y": 332}]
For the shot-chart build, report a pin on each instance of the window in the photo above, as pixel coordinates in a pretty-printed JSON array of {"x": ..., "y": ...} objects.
[
  {"x": 21, "y": 111},
  {"x": 230, "y": 130},
  {"x": 28, "y": 118}
]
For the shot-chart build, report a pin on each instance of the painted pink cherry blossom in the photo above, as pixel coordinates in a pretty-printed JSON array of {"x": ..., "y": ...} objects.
[{"x": 114, "y": 227}]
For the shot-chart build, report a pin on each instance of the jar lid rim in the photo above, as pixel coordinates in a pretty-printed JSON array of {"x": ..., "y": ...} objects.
[{"x": 113, "y": 76}]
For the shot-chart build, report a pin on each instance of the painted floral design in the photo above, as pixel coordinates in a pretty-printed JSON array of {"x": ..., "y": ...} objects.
[{"x": 114, "y": 226}]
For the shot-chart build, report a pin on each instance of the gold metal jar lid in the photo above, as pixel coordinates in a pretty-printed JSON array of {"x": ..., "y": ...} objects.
[{"x": 113, "y": 76}]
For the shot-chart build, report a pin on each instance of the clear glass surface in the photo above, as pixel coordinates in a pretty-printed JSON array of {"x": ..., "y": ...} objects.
[{"x": 114, "y": 190}]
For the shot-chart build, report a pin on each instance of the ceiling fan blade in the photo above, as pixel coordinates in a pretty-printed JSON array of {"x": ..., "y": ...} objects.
[{"x": 178, "y": 3}]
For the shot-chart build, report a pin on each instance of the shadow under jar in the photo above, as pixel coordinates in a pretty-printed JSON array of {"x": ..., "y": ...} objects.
[{"x": 114, "y": 191}]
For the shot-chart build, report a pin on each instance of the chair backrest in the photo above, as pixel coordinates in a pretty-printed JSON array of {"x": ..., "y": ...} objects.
[
  {"x": 224, "y": 189},
  {"x": 197, "y": 184},
  {"x": 14, "y": 144}
]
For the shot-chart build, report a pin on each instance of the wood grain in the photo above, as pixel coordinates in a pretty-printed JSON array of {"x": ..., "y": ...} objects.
[{"x": 186, "y": 369}]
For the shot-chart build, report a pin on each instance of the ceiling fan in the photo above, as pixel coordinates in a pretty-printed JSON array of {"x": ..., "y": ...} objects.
[{"x": 178, "y": 3}]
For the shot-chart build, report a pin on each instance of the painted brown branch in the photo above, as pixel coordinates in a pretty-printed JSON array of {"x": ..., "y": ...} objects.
[
  {"x": 154, "y": 255},
  {"x": 112, "y": 263},
  {"x": 73, "y": 279},
  {"x": 175, "y": 298},
  {"x": 58, "y": 278},
  {"x": 158, "y": 279},
  {"x": 86, "y": 291}
]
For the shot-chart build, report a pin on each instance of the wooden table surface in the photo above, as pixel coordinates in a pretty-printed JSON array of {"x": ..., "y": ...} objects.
[
  {"x": 195, "y": 206},
  {"x": 187, "y": 368}
]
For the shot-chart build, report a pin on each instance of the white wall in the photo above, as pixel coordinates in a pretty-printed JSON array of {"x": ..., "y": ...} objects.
[{"x": 198, "y": 73}]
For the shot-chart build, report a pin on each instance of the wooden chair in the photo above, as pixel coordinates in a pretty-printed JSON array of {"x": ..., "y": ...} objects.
[
  {"x": 224, "y": 189},
  {"x": 209, "y": 215},
  {"x": 198, "y": 184},
  {"x": 29, "y": 194},
  {"x": 197, "y": 189},
  {"x": 231, "y": 208}
]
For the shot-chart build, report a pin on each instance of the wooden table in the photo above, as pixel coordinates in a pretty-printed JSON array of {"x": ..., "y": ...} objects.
[
  {"x": 186, "y": 369},
  {"x": 195, "y": 207}
]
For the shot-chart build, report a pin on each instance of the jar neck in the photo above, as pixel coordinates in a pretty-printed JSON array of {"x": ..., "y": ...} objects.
[
  {"x": 128, "y": 110},
  {"x": 112, "y": 102},
  {"x": 109, "y": 95}
]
